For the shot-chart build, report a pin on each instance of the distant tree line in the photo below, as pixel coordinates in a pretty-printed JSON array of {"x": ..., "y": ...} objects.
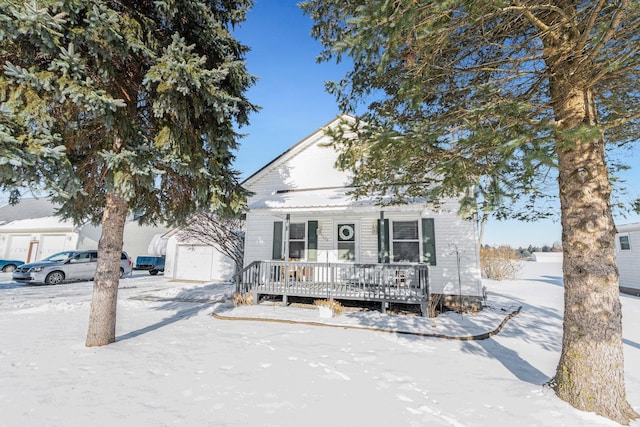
[{"x": 523, "y": 252}]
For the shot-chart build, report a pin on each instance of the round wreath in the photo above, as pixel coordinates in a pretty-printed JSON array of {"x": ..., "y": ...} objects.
[{"x": 346, "y": 232}]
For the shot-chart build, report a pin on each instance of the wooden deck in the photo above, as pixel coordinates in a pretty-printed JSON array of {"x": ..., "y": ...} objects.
[{"x": 384, "y": 283}]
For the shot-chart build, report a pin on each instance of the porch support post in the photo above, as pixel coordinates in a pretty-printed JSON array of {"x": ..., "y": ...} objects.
[
  {"x": 285, "y": 242},
  {"x": 383, "y": 243}
]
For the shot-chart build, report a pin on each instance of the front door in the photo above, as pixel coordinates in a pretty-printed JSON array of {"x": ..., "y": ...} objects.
[
  {"x": 347, "y": 242},
  {"x": 32, "y": 254}
]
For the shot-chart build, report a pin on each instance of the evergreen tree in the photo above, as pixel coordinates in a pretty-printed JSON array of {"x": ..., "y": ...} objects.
[
  {"x": 503, "y": 97},
  {"x": 119, "y": 107}
]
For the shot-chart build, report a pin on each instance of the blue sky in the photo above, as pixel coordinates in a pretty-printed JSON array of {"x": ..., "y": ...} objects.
[
  {"x": 294, "y": 104},
  {"x": 290, "y": 88}
]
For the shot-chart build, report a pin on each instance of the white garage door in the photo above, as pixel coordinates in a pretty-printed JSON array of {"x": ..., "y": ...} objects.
[
  {"x": 18, "y": 247},
  {"x": 51, "y": 244},
  {"x": 202, "y": 263}
]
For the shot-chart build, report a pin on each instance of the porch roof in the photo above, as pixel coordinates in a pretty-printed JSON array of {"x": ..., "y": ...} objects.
[{"x": 318, "y": 199}]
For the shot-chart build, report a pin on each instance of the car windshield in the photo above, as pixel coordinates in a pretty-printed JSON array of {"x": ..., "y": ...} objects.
[{"x": 61, "y": 256}]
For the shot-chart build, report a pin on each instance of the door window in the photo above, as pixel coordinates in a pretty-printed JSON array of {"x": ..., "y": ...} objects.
[{"x": 347, "y": 242}]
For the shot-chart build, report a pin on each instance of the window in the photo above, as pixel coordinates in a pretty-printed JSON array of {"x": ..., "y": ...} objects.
[
  {"x": 346, "y": 242},
  {"x": 299, "y": 247},
  {"x": 625, "y": 245},
  {"x": 297, "y": 241},
  {"x": 405, "y": 241},
  {"x": 409, "y": 240}
]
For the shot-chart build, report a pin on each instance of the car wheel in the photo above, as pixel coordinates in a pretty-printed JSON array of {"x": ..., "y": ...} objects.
[
  {"x": 153, "y": 272},
  {"x": 121, "y": 272},
  {"x": 54, "y": 278},
  {"x": 9, "y": 268}
]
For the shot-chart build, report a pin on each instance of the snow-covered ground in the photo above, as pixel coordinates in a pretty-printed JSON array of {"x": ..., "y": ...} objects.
[{"x": 175, "y": 365}]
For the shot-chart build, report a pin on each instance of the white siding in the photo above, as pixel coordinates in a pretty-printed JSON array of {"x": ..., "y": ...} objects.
[
  {"x": 311, "y": 165},
  {"x": 629, "y": 260},
  {"x": 454, "y": 233},
  {"x": 259, "y": 237}
]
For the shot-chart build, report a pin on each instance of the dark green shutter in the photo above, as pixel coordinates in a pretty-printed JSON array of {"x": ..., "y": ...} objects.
[
  {"x": 312, "y": 241},
  {"x": 277, "y": 240},
  {"x": 428, "y": 241},
  {"x": 383, "y": 252}
]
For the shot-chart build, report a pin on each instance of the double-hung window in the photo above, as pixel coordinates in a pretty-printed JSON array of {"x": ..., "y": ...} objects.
[
  {"x": 405, "y": 241},
  {"x": 625, "y": 244},
  {"x": 297, "y": 241}
]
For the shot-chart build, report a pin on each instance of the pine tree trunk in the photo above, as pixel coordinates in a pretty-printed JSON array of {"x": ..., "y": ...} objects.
[
  {"x": 590, "y": 374},
  {"x": 102, "y": 321}
]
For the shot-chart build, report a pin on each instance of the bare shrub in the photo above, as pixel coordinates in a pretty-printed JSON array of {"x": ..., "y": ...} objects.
[
  {"x": 332, "y": 304},
  {"x": 242, "y": 299},
  {"x": 499, "y": 263},
  {"x": 434, "y": 302}
]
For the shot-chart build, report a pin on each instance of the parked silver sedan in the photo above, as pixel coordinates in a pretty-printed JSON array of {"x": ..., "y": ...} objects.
[{"x": 66, "y": 266}]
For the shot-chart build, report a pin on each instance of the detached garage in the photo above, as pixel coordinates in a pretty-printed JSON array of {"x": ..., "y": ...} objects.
[
  {"x": 191, "y": 261},
  {"x": 30, "y": 231}
]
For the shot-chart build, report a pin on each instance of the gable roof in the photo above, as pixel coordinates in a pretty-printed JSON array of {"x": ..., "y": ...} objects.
[
  {"x": 299, "y": 146},
  {"x": 27, "y": 209}
]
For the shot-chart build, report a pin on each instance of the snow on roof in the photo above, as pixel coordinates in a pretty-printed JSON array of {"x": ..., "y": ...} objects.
[
  {"x": 320, "y": 198},
  {"x": 50, "y": 223},
  {"x": 25, "y": 209},
  {"x": 158, "y": 245}
]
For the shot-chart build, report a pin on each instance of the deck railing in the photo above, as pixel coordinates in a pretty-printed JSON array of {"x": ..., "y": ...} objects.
[{"x": 404, "y": 283}]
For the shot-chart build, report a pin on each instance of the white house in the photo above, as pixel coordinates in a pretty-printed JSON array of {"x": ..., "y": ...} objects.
[
  {"x": 301, "y": 211},
  {"x": 628, "y": 256},
  {"x": 30, "y": 231}
]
